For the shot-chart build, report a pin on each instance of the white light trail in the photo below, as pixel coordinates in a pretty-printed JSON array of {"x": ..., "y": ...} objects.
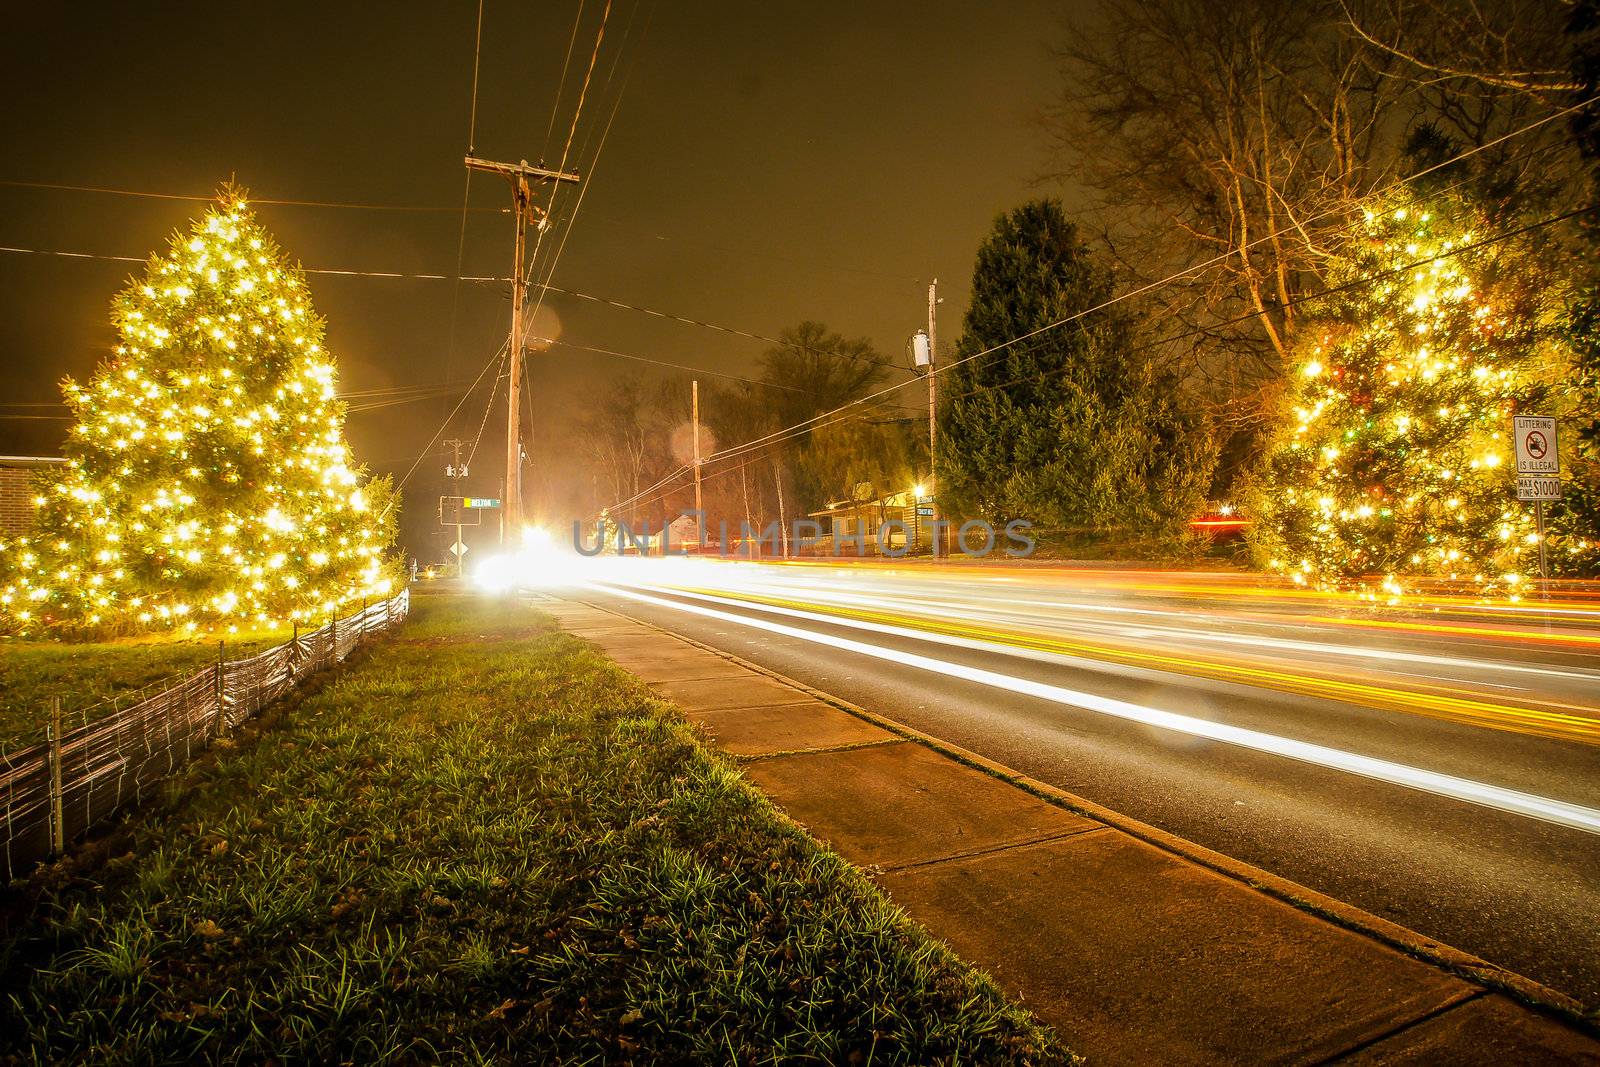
[
  {"x": 1543, "y": 808},
  {"x": 1179, "y": 626}
]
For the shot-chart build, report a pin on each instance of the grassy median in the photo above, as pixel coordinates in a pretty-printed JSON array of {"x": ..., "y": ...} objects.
[{"x": 483, "y": 842}]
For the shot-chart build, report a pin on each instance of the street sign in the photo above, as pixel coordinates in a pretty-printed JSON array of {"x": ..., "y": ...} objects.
[
  {"x": 1536, "y": 444},
  {"x": 458, "y": 549},
  {"x": 1532, "y": 488},
  {"x": 452, "y": 513},
  {"x": 480, "y": 502}
]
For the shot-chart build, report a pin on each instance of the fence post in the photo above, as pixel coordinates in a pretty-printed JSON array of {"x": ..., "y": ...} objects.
[
  {"x": 294, "y": 652},
  {"x": 58, "y": 828},
  {"x": 222, "y": 703},
  {"x": 333, "y": 630}
]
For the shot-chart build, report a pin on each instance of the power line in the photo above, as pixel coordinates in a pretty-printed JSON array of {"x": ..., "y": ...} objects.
[
  {"x": 821, "y": 268},
  {"x": 675, "y": 366},
  {"x": 561, "y": 82},
  {"x": 542, "y": 286},
  {"x": 488, "y": 406},
  {"x": 466, "y": 198},
  {"x": 1304, "y": 298},
  {"x": 764, "y": 338},
  {"x": 583, "y": 90},
  {"x": 432, "y": 440},
  {"x": 325, "y": 271},
  {"x": 571, "y": 220},
  {"x": 61, "y": 186}
]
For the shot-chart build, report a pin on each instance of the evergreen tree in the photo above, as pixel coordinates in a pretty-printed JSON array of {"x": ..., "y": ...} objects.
[
  {"x": 1072, "y": 426},
  {"x": 1398, "y": 463},
  {"x": 208, "y": 481}
]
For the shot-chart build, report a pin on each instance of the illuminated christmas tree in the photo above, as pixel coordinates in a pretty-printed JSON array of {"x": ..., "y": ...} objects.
[
  {"x": 1397, "y": 463},
  {"x": 209, "y": 485}
]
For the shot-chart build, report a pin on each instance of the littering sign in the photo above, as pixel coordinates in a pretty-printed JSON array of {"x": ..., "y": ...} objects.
[{"x": 1536, "y": 444}]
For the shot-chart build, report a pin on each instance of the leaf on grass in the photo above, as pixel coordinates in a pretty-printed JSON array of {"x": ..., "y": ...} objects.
[
  {"x": 500, "y": 1012},
  {"x": 631, "y": 1017},
  {"x": 207, "y": 928}
]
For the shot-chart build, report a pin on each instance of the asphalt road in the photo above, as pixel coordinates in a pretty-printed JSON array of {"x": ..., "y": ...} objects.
[{"x": 1439, "y": 767}]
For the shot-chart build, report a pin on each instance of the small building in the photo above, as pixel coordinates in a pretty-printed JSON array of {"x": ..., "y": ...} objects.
[
  {"x": 19, "y": 488},
  {"x": 843, "y": 520}
]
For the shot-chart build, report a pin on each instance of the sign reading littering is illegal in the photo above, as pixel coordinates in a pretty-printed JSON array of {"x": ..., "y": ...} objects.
[
  {"x": 1536, "y": 444},
  {"x": 1538, "y": 459}
]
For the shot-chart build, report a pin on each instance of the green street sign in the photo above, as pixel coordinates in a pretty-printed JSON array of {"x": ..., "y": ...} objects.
[{"x": 480, "y": 502}]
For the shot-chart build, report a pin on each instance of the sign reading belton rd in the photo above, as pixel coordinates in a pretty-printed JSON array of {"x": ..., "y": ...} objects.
[
  {"x": 455, "y": 511},
  {"x": 480, "y": 502}
]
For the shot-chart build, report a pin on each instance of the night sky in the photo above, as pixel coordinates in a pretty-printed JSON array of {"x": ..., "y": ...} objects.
[{"x": 767, "y": 164}]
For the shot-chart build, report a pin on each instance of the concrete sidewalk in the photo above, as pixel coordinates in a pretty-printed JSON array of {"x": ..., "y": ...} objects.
[{"x": 1138, "y": 947}]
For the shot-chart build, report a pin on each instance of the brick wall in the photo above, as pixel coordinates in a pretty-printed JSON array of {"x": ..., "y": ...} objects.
[
  {"x": 16, "y": 500},
  {"x": 18, "y": 487}
]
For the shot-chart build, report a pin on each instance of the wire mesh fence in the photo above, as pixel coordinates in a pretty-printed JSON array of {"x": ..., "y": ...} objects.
[{"x": 55, "y": 790}]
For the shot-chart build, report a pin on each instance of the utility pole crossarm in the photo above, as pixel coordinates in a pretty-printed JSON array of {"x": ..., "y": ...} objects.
[{"x": 523, "y": 169}]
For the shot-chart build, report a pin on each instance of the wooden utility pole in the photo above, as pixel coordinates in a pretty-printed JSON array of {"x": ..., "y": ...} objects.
[
  {"x": 933, "y": 415},
  {"x": 522, "y": 192},
  {"x": 700, "y": 519}
]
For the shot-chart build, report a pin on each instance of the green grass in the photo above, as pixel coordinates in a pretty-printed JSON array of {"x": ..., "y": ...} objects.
[
  {"x": 483, "y": 843},
  {"x": 87, "y": 674}
]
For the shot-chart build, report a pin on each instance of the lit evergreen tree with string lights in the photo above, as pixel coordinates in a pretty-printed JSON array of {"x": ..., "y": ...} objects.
[
  {"x": 209, "y": 485},
  {"x": 1396, "y": 463}
]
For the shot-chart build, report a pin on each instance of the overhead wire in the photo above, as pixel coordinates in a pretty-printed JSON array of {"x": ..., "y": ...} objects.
[
  {"x": 1304, "y": 298},
  {"x": 62, "y": 186},
  {"x": 426, "y": 449},
  {"x": 542, "y": 286},
  {"x": 466, "y": 199},
  {"x": 561, "y": 82},
  {"x": 488, "y": 406},
  {"x": 674, "y": 366},
  {"x": 323, "y": 271},
  {"x": 533, "y": 260},
  {"x": 885, "y": 363}
]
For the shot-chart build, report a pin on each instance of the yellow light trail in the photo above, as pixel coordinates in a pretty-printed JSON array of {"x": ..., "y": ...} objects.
[{"x": 1433, "y": 701}]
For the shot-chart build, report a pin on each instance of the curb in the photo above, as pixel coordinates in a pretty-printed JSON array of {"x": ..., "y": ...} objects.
[{"x": 1446, "y": 957}]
